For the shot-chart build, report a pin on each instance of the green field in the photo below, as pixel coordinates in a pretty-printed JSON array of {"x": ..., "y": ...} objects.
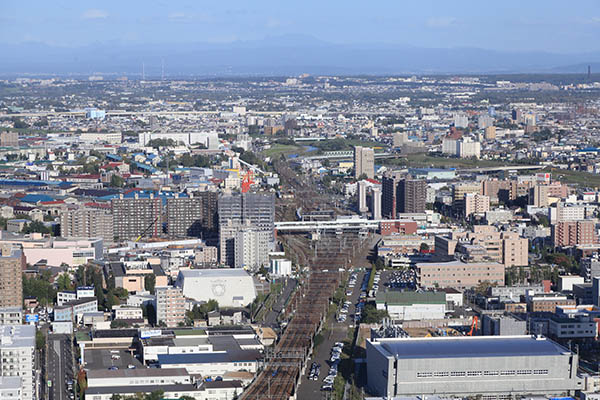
[
  {"x": 278, "y": 149},
  {"x": 425, "y": 160}
]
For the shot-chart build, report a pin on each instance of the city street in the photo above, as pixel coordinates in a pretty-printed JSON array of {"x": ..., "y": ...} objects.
[
  {"x": 60, "y": 366},
  {"x": 337, "y": 332}
]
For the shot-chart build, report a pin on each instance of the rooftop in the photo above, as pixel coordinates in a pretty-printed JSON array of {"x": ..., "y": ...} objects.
[
  {"x": 467, "y": 346},
  {"x": 213, "y": 273},
  {"x": 409, "y": 298},
  {"x": 135, "y": 373}
]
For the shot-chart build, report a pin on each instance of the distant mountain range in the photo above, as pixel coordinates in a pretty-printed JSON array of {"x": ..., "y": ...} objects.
[{"x": 289, "y": 55}]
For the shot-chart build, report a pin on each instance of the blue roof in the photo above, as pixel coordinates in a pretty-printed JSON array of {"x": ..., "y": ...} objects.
[
  {"x": 145, "y": 167},
  {"x": 22, "y": 182},
  {"x": 35, "y": 198},
  {"x": 587, "y": 149},
  {"x": 144, "y": 194},
  {"x": 114, "y": 157},
  {"x": 476, "y": 347}
]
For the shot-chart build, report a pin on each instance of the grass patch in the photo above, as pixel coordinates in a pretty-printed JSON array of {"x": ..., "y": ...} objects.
[
  {"x": 430, "y": 161},
  {"x": 579, "y": 178},
  {"x": 278, "y": 149}
]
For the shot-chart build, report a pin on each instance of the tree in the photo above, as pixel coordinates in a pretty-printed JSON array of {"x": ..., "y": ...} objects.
[
  {"x": 64, "y": 282},
  {"x": 118, "y": 324},
  {"x": 150, "y": 283},
  {"x": 19, "y": 124},
  {"x": 36, "y": 226},
  {"x": 424, "y": 247},
  {"x": 117, "y": 181},
  {"x": 371, "y": 315},
  {"x": 40, "y": 339},
  {"x": 362, "y": 177}
]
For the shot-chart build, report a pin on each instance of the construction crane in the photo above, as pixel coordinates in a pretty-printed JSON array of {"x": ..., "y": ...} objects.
[
  {"x": 146, "y": 230},
  {"x": 474, "y": 326},
  {"x": 247, "y": 181}
]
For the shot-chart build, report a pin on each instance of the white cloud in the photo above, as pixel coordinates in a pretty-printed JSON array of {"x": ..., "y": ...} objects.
[
  {"x": 95, "y": 13},
  {"x": 441, "y": 22}
]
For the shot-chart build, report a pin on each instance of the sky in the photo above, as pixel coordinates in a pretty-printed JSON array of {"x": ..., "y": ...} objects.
[{"x": 524, "y": 25}]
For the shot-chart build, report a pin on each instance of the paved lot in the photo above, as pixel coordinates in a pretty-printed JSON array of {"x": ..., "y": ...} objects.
[
  {"x": 310, "y": 389},
  {"x": 105, "y": 359},
  {"x": 60, "y": 366}
]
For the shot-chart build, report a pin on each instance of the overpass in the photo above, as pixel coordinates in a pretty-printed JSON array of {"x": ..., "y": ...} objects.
[
  {"x": 504, "y": 168},
  {"x": 334, "y": 225},
  {"x": 345, "y": 154}
]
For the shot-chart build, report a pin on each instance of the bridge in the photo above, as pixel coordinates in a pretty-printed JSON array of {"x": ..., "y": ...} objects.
[
  {"x": 504, "y": 168},
  {"x": 345, "y": 154},
  {"x": 342, "y": 224}
]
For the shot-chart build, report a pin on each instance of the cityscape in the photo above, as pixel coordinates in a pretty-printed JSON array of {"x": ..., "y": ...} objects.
[{"x": 220, "y": 230}]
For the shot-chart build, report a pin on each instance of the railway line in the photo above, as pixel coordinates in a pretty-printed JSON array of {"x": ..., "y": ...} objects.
[{"x": 307, "y": 312}]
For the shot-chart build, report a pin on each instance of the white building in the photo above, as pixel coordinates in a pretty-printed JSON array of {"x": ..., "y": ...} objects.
[
  {"x": 281, "y": 267},
  {"x": 208, "y": 139},
  {"x": 17, "y": 346},
  {"x": 169, "y": 305},
  {"x": 252, "y": 247},
  {"x": 10, "y": 388},
  {"x": 104, "y": 137},
  {"x": 407, "y": 306},
  {"x": 231, "y": 287}
]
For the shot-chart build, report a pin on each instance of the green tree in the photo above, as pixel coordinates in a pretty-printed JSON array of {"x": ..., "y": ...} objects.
[
  {"x": 118, "y": 324},
  {"x": 150, "y": 283},
  {"x": 36, "y": 226},
  {"x": 63, "y": 282},
  {"x": 117, "y": 181},
  {"x": 371, "y": 315},
  {"x": 19, "y": 124},
  {"x": 424, "y": 247},
  {"x": 40, "y": 339}
]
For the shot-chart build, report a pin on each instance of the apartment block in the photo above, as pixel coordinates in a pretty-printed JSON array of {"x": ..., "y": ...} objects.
[
  {"x": 17, "y": 346},
  {"x": 87, "y": 222},
  {"x": 401, "y": 194},
  {"x": 364, "y": 162},
  {"x": 574, "y": 233},
  {"x": 170, "y": 305},
  {"x": 134, "y": 216},
  {"x": 12, "y": 263},
  {"x": 476, "y": 204},
  {"x": 194, "y": 216}
]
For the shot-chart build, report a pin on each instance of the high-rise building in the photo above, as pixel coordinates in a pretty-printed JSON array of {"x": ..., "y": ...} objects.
[
  {"x": 87, "y": 222},
  {"x": 490, "y": 133},
  {"x": 364, "y": 162},
  {"x": 170, "y": 305},
  {"x": 389, "y": 183},
  {"x": 376, "y": 202},
  {"x": 362, "y": 196},
  {"x": 9, "y": 139},
  {"x": 12, "y": 262},
  {"x": 590, "y": 267},
  {"x": 484, "y": 121},
  {"x": 538, "y": 196},
  {"x": 412, "y": 195},
  {"x": 252, "y": 247},
  {"x": 459, "y": 191},
  {"x": 476, "y": 203},
  {"x": 135, "y": 216},
  {"x": 574, "y": 233},
  {"x": 194, "y": 216},
  {"x": 400, "y": 139},
  {"x": 243, "y": 210},
  {"x": 17, "y": 347}
]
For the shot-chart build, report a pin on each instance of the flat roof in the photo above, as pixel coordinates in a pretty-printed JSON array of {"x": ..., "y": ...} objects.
[
  {"x": 398, "y": 298},
  {"x": 141, "y": 389},
  {"x": 469, "y": 346},
  {"x": 214, "y": 272},
  {"x": 135, "y": 373}
]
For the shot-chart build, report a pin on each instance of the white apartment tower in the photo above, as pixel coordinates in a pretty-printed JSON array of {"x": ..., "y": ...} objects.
[{"x": 17, "y": 349}]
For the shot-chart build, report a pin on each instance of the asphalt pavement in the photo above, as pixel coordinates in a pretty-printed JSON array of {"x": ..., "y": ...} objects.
[
  {"x": 60, "y": 366},
  {"x": 337, "y": 332}
]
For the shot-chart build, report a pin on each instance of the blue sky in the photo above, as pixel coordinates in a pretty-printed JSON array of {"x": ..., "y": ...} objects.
[{"x": 549, "y": 25}]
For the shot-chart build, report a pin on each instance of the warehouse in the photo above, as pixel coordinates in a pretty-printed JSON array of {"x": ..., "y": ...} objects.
[
  {"x": 409, "y": 306},
  {"x": 496, "y": 367},
  {"x": 230, "y": 287}
]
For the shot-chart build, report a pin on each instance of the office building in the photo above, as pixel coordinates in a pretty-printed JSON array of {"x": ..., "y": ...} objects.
[
  {"x": 364, "y": 162},
  {"x": 135, "y": 216},
  {"x": 12, "y": 263},
  {"x": 17, "y": 347},
  {"x": 574, "y": 233},
  {"x": 170, "y": 306},
  {"x": 87, "y": 222},
  {"x": 476, "y": 204},
  {"x": 194, "y": 216},
  {"x": 493, "y": 367},
  {"x": 245, "y": 210}
]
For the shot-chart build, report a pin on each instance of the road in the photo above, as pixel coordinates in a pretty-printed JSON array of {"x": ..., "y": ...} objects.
[
  {"x": 337, "y": 332},
  {"x": 60, "y": 366}
]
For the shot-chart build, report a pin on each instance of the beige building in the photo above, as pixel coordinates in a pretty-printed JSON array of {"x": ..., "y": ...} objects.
[
  {"x": 459, "y": 274},
  {"x": 87, "y": 222},
  {"x": 364, "y": 162},
  {"x": 476, "y": 204},
  {"x": 170, "y": 306},
  {"x": 538, "y": 196},
  {"x": 12, "y": 262},
  {"x": 490, "y": 133},
  {"x": 460, "y": 190}
]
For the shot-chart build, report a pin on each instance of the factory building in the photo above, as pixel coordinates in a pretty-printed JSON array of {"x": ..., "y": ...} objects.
[{"x": 495, "y": 367}]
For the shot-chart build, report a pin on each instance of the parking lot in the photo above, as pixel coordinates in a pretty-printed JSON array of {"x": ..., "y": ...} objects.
[
  {"x": 337, "y": 331},
  {"x": 398, "y": 280},
  {"x": 110, "y": 359}
]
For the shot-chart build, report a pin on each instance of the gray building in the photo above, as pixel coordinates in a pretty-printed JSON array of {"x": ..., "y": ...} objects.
[
  {"x": 491, "y": 366},
  {"x": 134, "y": 216},
  {"x": 245, "y": 210},
  {"x": 194, "y": 216},
  {"x": 503, "y": 325},
  {"x": 87, "y": 222},
  {"x": 590, "y": 267}
]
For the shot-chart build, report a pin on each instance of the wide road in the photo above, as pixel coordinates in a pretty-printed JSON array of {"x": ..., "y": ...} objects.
[
  {"x": 60, "y": 366},
  {"x": 337, "y": 332}
]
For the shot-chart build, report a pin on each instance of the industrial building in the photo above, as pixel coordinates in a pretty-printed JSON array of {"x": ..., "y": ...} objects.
[
  {"x": 408, "y": 306},
  {"x": 229, "y": 287},
  {"x": 495, "y": 367}
]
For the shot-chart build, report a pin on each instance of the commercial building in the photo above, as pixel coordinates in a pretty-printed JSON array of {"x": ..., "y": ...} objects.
[
  {"x": 134, "y": 216},
  {"x": 17, "y": 347},
  {"x": 494, "y": 367},
  {"x": 170, "y": 305},
  {"x": 12, "y": 263},
  {"x": 193, "y": 216},
  {"x": 408, "y": 306},
  {"x": 87, "y": 222},
  {"x": 574, "y": 233},
  {"x": 56, "y": 251},
  {"x": 364, "y": 162},
  {"x": 230, "y": 287}
]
